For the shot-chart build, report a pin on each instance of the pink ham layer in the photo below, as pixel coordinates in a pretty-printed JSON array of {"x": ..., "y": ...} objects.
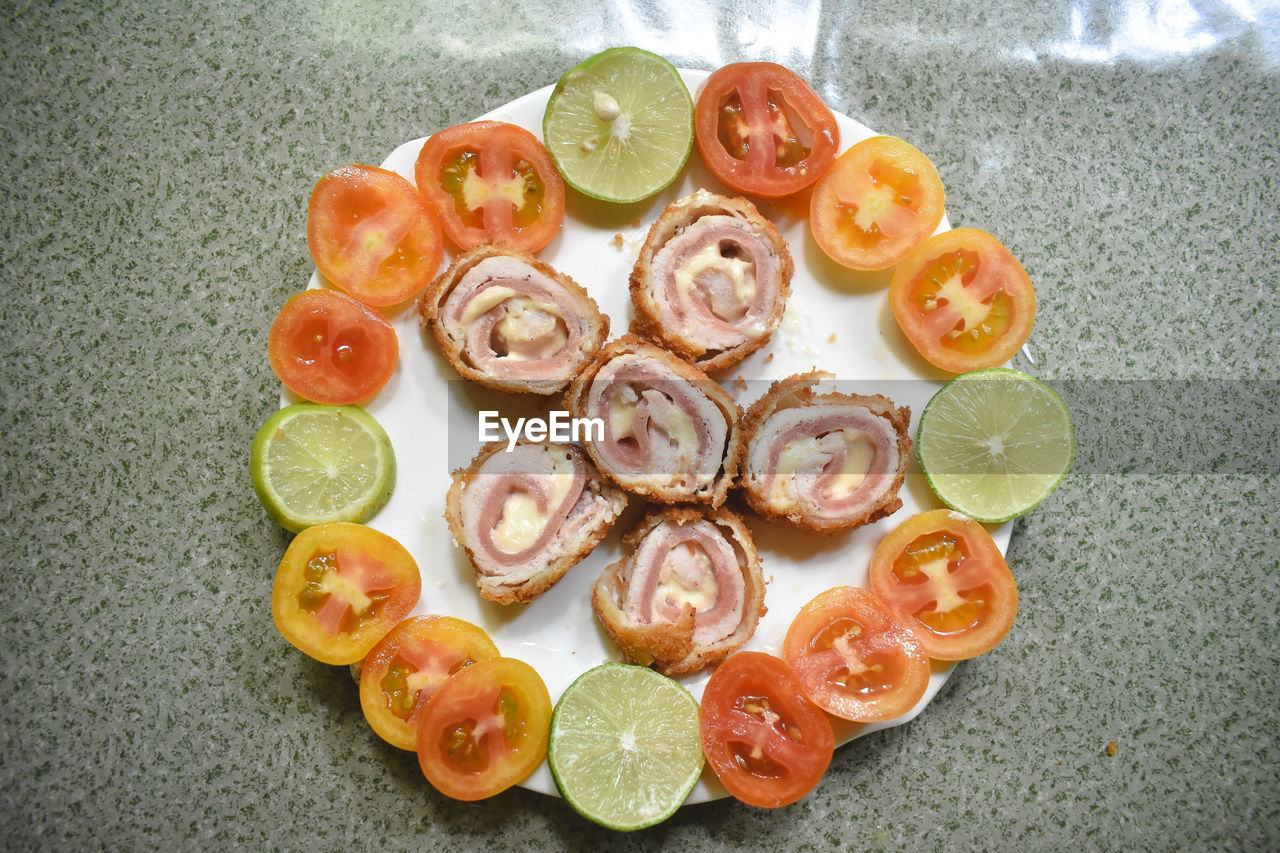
[
  {"x": 479, "y": 350},
  {"x": 631, "y": 377},
  {"x": 642, "y": 603},
  {"x": 814, "y": 482},
  {"x": 717, "y": 320},
  {"x": 519, "y": 471}
]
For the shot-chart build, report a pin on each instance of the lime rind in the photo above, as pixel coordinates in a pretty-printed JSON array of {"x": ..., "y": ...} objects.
[
  {"x": 313, "y": 464},
  {"x": 619, "y": 125},
  {"x": 625, "y": 749},
  {"x": 995, "y": 449}
]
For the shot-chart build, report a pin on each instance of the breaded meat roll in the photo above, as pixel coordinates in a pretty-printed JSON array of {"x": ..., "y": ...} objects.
[
  {"x": 525, "y": 517},
  {"x": 712, "y": 280},
  {"x": 824, "y": 462},
  {"x": 511, "y": 322},
  {"x": 688, "y": 593},
  {"x": 670, "y": 432}
]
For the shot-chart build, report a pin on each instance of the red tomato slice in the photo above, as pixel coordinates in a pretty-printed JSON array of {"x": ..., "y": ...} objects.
[
  {"x": 941, "y": 574},
  {"x": 766, "y": 742},
  {"x": 408, "y": 665},
  {"x": 876, "y": 203},
  {"x": 340, "y": 588},
  {"x": 485, "y": 729},
  {"x": 854, "y": 659},
  {"x": 963, "y": 300},
  {"x": 329, "y": 348},
  {"x": 492, "y": 182},
  {"x": 372, "y": 235},
  {"x": 761, "y": 130}
]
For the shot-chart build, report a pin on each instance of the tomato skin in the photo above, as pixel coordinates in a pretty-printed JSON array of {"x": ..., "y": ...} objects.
[
  {"x": 340, "y": 588},
  {"x": 504, "y": 700},
  {"x": 407, "y": 666},
  {"x": 907, "y": 575},
  {"x": 982, "y": 313},
  {"x": 762, "y": 763},
  {"x": 372, "y": 235},
  {"x": 744, "y": 124},
  {"x": 878, "y": 201},
  {"x": 848, "y": 633},
  {"x": 473, "y": 174},
  {"x": 329, "y": 348}
]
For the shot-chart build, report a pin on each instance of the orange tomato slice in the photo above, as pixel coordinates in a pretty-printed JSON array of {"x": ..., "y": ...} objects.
[
  {"x": 372, "y": 235},
  {"x": 943, "y": 576},
  {"x": 407, "y": 667},
  {"x": 878, "y": 201}
]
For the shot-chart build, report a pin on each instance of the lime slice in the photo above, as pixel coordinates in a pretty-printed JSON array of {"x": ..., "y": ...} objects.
[
  {"x": 993, "y": 443},
  {"x": 625, "y": 749},
  {"x": 312, "y": 464},
  {"x": 620, "y": 125}
]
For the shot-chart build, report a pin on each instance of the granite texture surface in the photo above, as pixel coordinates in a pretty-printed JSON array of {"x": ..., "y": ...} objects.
[{"x": 158, "y": 158}]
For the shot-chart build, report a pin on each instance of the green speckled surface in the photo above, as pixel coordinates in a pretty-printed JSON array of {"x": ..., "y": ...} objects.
[{"x": 158, "y": 161}]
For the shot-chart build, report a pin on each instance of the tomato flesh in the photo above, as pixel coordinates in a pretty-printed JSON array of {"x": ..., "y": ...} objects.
[
  {"x": 340, "y": 588},
  {"x": 963, "y": 301},
  {"x": 944, "y": 577},
  {"x": 371, "y": 234},
  {"x": 878, "y": 201},
  {"x": 492, "y": 182},
  {"x": 762, "y": 131},
  {"x": 485, "y": 729},
  {"x": 767, "y": 744},
  {"x": 854, "y": 659},
  {"x": 405, "y": 669},
  {"x": 329, "y": 348}
]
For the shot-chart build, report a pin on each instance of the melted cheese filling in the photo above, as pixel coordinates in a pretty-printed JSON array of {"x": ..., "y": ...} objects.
[
  {"x": 800, "y": 456},
  {"x": 687, "y": 578},
  {"x": 522, "y": 523},
  {"x": 709, "y": 258}
]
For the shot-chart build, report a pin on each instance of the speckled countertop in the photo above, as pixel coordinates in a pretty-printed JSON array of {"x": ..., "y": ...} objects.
[{"x": 157, "y": 159}]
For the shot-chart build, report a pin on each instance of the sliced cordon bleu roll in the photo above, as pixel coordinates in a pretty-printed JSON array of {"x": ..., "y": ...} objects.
[
  {"x": 688, "y": 593},
  {"x": 712, "y": 280},
  {"x": 824, "y": 461},
  {"x": 528, "y": 515},
  {"x": 670, "y": 433},
  {"x": 509, "y": 321}
]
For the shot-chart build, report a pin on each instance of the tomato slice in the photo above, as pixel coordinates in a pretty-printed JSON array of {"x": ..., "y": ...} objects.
[
  {"x": 485, "y": 729},
  {"x": 372, "y": 235},
  {"x": 761, "y": 130},
  {"x": 492, "y": 182},
  {"x": 329, "y": 348},
  {"x": 943, "y": 576},
  {"x": 854, "y": 659},
  {"x": 340, "y": 588},
  {"x": 963, "y": 300},
  {"x": 876, "y": 203},
  {"x": 409, "y": 664},
  {"x": 766, "y": 742}
]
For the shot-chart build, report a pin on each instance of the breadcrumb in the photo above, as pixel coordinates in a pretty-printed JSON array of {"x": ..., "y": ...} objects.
[
  {"x": 619, "y": 240},
  {"x": 1111, "y": 748}
]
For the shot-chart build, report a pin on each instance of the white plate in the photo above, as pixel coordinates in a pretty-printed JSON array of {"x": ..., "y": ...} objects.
[{"x": 837, "y": 321}]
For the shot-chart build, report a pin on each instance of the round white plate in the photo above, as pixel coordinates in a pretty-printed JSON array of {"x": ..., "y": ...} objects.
[{"x": 837, "y": 320}]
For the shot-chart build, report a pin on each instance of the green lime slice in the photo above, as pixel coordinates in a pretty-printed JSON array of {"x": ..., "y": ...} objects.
[
  {"x": 620, "y": 125},
  {"x": 625, "y": 749},
  {"x": 312, "y": 464},
  {"x": 993, "y": 443}
]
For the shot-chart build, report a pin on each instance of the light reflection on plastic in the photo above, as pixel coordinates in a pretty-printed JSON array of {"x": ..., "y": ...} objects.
[{"x": 1139, "y": 29}]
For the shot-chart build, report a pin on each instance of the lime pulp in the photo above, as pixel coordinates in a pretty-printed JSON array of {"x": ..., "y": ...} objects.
[
  {"x": 625, "y": 748},
  {"x": 313, "y": 464},
  {"x": 619, "y": 125},
  {"x": 994, "y": 443}
]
